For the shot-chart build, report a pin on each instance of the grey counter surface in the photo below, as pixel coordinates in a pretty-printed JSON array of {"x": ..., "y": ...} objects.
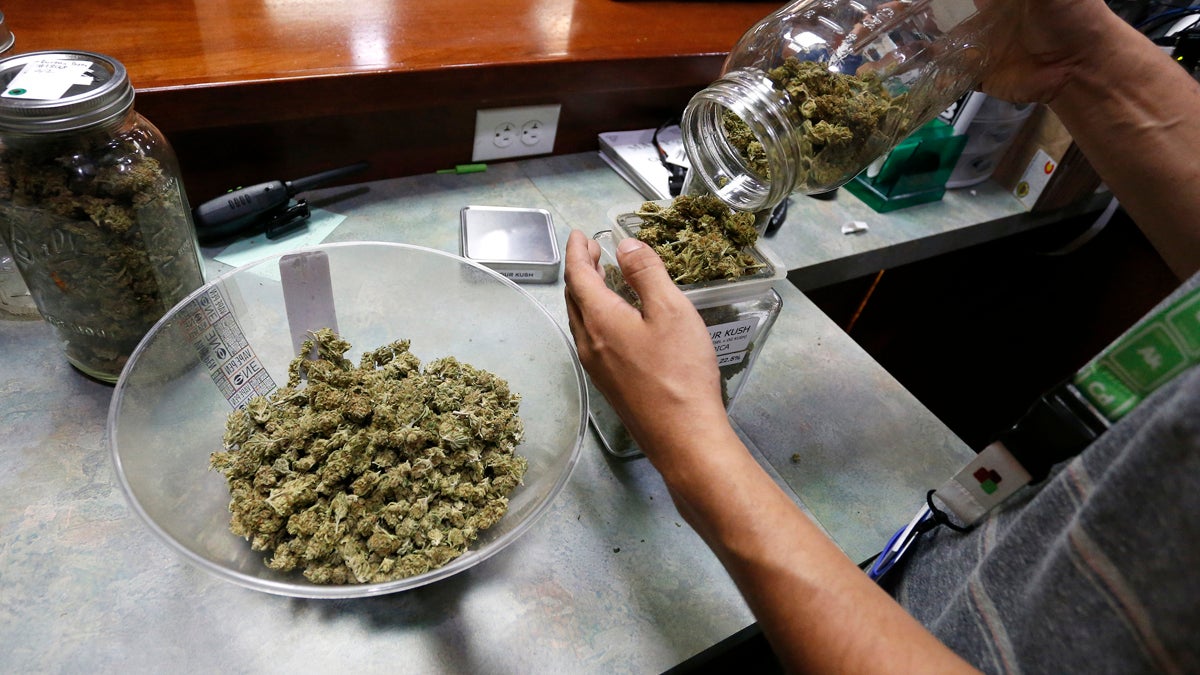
[{"x": 609, "y": 580}]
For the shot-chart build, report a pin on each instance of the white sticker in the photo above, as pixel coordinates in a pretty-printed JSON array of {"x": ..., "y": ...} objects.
[
  {"x": 520, "y": 275},
  {"x": 48, "y": 79},
  {"x": 730, "y": 359},
  {"x": 1033, "y": 181},
  {"x": 984, "y": 482},
  {"x": 731, "y": 337}
]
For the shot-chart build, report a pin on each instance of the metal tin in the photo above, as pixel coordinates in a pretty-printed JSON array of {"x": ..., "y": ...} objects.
[{"x": 516, "y": 242}]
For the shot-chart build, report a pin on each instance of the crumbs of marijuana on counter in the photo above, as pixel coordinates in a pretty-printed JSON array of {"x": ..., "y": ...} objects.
[{"x": 372, "y": 473}]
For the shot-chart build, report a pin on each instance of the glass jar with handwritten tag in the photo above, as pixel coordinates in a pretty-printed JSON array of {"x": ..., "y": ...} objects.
[{"x": 92, "y": 206}]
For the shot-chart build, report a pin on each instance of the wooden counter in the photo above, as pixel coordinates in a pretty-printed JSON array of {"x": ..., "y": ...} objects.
[{"x": 253, "y": 90}]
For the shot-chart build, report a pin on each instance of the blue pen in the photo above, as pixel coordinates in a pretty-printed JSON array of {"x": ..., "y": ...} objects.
[{"x": 898, "y": 545}]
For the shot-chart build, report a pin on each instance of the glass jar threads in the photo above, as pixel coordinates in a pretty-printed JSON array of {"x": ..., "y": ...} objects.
[
  {"x": 92, "y": 206},
  {"x": 816, "y": 91}
]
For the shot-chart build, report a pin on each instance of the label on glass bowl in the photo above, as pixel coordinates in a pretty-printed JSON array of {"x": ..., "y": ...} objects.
[{"x": 210, "y": 326}]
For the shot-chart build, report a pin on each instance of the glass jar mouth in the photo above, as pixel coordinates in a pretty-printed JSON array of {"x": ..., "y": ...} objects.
[{"x": 725, "y": 169}]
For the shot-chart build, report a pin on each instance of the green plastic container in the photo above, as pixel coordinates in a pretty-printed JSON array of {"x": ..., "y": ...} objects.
[{"x": 914, "y": 172}]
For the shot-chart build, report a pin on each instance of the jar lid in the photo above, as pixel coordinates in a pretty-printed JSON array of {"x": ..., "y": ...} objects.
[{"x": 54, "y": 91}]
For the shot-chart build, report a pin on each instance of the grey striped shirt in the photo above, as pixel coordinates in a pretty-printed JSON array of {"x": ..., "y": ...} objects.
[{"x": 1094, "y": 570}]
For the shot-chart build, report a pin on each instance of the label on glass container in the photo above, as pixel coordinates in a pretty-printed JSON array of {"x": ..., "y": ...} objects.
[
  {"x": 730, "y": 339},
  {"x": 48, "y": 79},
  {"x": 730, "y": 359}
]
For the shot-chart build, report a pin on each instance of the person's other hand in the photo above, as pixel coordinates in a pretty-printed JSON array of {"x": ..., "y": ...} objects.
[{"x": 656, "y": 366}]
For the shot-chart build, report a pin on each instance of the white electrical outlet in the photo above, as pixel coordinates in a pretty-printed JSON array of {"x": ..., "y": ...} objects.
[{"x": 501, "y": 133}]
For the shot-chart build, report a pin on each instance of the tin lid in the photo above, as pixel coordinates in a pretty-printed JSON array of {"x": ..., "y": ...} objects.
[
  {"x": 519, "y": 243},
  {"x": 54, "y": 91}
]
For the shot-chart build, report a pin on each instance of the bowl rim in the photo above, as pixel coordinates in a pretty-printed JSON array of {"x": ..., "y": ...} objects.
[{"x": 470, "y": 558}]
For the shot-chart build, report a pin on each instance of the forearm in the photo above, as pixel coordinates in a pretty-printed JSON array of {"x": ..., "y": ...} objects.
[
  {"x": 817, "y": 608},
  {"x": 1134, "y": 115}
]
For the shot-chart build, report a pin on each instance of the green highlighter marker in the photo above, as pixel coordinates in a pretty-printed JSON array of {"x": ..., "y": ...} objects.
[{"x": 465, "y": 168}]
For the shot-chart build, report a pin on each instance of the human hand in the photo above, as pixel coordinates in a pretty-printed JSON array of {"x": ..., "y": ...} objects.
[
  {"x": 656, "y": 366},
  {"x": 1038, "y": 45}
]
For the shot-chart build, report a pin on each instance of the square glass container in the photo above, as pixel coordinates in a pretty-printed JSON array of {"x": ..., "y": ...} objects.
[
  {"x": 717, "y": 291},
  {"x": 739, "y": 315},
  {"x": 516, "y": 242}
]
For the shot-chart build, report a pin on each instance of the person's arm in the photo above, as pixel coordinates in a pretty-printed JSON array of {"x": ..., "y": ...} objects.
[
  {"x": 1131, "y": 109},
  {"x": 658, "y": 369}
]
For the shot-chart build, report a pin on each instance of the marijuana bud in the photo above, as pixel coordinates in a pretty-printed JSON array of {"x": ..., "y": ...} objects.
[
  {"x": 102, "y": 236},
  {"x": 374, "y": 472},
  {"x": 844, "y": 121},
  {"x": 699, "y": 238}
]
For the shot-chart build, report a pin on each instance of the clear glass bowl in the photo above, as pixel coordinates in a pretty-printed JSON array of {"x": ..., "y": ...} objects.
[{"x": 231, "y": 336}]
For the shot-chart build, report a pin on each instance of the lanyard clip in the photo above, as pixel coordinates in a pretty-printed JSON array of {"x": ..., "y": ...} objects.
[
  {"x": 900, "y": 542},
  {"x": 927, "y": 518}
]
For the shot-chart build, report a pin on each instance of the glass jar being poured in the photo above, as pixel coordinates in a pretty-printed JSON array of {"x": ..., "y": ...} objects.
[{"x": 816, "y": 91}]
